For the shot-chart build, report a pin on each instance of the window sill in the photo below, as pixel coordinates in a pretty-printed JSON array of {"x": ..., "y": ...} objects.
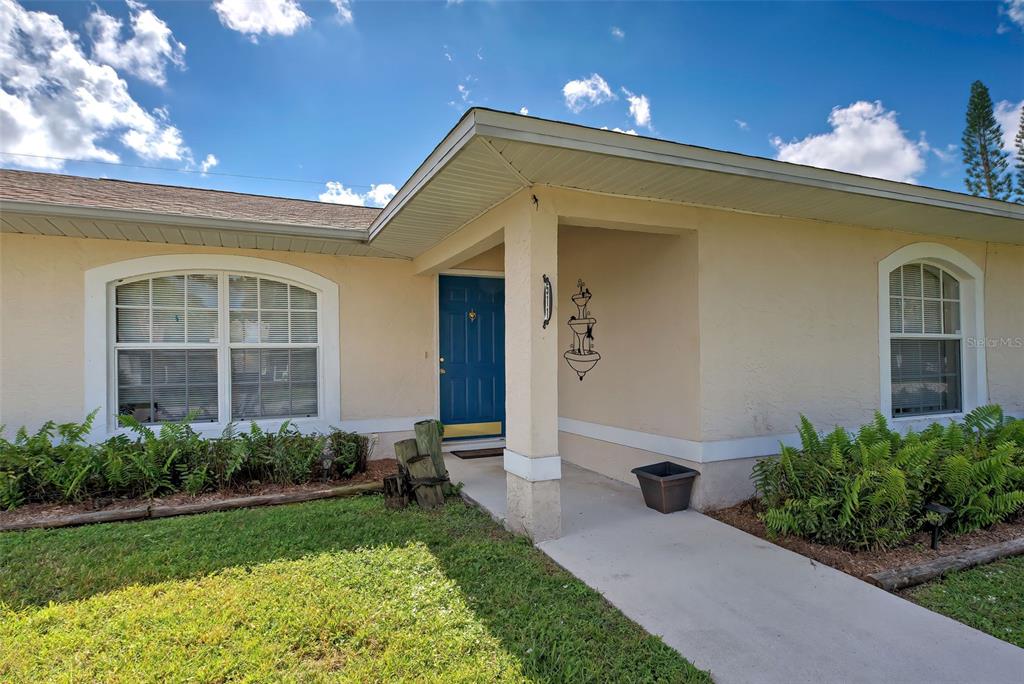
[
  {"x": 210, "y": 430},
  {"x": 906, "y": 423}
]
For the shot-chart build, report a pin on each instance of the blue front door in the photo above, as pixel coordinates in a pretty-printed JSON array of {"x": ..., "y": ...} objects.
[{"x": 472, "y": 363}]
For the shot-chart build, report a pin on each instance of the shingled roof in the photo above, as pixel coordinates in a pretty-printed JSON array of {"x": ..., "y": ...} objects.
[{"x": 101, "y": 193}]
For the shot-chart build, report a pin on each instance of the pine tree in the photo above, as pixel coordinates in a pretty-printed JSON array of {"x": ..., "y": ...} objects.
[
  {"x": 1020, "y": 158},
  {"x": 986, "y": 161}
]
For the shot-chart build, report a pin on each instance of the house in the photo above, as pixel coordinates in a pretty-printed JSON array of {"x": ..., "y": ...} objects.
[{"x": 564, "y": 292}]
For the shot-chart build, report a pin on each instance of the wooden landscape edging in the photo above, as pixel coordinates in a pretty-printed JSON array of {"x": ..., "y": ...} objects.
[
  {"x": 901, "y": 578},
  {"x": 169, "y": 510}
]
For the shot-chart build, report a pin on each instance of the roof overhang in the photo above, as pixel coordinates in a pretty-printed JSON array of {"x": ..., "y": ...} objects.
[
  {"x": 44, "y": 218},
  {"x": 489, "y": 156}
]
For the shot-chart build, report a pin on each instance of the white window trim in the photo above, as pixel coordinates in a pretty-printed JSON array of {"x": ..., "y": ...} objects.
[
  {"x": 974, "y": 383},
  {"x": 98, "y": 309}
]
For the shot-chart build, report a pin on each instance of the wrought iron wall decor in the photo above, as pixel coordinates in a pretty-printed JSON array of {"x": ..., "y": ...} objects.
[
  {"x": 581, "y": 356},
  {"x": 547, "y": 300}
]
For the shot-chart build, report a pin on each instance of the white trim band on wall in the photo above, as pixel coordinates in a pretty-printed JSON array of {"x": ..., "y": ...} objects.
[
  {"x": 533, "y": 469},
  {"x": 719, "y": 450}
]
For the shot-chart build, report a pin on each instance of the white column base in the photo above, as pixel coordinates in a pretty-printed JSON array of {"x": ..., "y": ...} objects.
[
  {"x": 535, "y": 469},
  {"x": 534, "y": 508}
]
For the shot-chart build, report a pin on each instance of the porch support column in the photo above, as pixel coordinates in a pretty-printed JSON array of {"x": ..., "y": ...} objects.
[{"x": 533, "y": 469}]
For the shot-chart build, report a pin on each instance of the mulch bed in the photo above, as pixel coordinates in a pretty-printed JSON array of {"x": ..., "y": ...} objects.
[
  {"x": 376, "y": 471},
  {"x": 860, "y": 564}
]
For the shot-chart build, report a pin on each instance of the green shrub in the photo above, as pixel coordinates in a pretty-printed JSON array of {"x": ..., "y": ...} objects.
[
  {"x": 349, "y": 452},
  {"x": 868, "y": 490},
  {"x": 57, "y": 462}
]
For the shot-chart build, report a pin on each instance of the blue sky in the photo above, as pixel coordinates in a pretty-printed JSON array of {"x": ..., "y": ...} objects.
[{"x": 358, "y": 93}]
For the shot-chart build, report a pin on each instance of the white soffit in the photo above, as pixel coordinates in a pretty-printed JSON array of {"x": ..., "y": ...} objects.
[
  {"x": 491, "y": 155},
  {"x": 45, "y": 220}
]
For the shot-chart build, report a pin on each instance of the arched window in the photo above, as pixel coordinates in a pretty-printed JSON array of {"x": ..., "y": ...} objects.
[
  {"x": 216, "y": 345},
  {"x": 931, "y": 332},
  {"x": 925, "y": 340}
]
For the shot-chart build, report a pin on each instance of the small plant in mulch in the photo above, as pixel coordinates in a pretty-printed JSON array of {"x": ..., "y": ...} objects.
[{"x": 868, "y": 490}]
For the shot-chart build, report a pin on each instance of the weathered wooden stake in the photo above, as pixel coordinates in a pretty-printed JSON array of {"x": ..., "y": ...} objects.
[
  {"x": 428, "y": 441},
  {"x": 422, "y": 477},
  {"x": 395, "y": 495}
]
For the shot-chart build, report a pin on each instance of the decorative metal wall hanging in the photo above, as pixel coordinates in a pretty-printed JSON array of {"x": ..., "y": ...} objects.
[
  {"x": 547, "y": 300},
  {"x": 581, "y": 356}
]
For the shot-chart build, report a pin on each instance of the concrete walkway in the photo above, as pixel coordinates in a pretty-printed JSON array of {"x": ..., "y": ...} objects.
[{"x": 745, "y": 609}]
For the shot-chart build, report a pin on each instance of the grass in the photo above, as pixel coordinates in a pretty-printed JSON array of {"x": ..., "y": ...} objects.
[
  {"x": 340, "y": 590},
  {"x": 989, "y": 598}
]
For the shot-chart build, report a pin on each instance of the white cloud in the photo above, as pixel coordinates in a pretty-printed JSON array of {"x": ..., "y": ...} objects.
[
  {"x": 947, "y": 154},
  {"x": 587, "y": 92},
  {"x": 617, "y": 33},
  {"x": 253, "y": 17},
  {"x": 463, "y": 92},
  {"x": 639, "y": 108},
  {"x": 524, "y": 111},
  {"x": 208, "y": 163},
  {"x": 619, "y": 130},
  {"x": 377, "y": 196},
  {"x": 1008, "y": 116},
  {"x": 865, "y": 139},
  {"x": 56, "y": 102},
  {"x": 344, "y": 8},
  {"x": 1014, "y": 11},
  {"x": 743, "y": 125},
  {"x": 146, "y": 53}
]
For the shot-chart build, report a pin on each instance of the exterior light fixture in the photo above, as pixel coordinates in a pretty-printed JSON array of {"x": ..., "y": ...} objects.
[{"x": 939, "y": 519}]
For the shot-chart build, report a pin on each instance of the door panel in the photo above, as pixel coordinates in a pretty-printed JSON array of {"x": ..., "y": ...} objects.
[{"x": 472, "y": 345}]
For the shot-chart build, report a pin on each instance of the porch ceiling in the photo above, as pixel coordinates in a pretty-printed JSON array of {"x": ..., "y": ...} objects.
[{"x": 491, "y": 155}]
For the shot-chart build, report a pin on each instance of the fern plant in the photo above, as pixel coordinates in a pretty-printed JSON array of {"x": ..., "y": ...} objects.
[{"x": 869, "y": 490}]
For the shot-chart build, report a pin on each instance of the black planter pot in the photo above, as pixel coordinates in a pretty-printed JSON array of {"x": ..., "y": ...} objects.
[{"x": 666, "y": 485}]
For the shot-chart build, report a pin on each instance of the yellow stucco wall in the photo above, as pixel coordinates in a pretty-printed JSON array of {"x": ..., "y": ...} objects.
[
  {"x": 1004, "y": 304},
  {"x": 789, "y": 322},
  {"x": 491, "y": 260},
  {"x": 387, "y": 325},
  {"x": 644, "y": 290},
  {"x": 752, "y": 320}
]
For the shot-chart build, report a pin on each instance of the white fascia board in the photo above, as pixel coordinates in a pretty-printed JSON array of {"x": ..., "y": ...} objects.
[
  {"x": 456, "y": 139},
  {"x": 520, "y": 128},
  {"x": 294, "y": 230}
]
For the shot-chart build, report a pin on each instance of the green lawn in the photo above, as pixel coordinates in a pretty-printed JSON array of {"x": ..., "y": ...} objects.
[
  {"x": 340, "y": 590},
  {"x": 989, "y": 598}
]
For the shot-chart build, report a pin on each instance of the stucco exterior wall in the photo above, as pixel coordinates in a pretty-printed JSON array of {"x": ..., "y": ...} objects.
[
  {"x": 1004, "y": 304},
  {"x": 491, "y": 260},
  {"x": 644, "y": 290},
  {"x": 387, "y": 344},
  {"x": 789, "y": 321}
]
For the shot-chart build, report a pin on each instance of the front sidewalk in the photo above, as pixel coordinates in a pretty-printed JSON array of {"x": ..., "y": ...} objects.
[{"x": 745, "y": 609}]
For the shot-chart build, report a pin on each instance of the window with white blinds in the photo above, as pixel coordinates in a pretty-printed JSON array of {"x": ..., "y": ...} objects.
[
  {"x": 172, "y": 360},
  {"x": 925, "y": 340},
  {"x": 273, "y": 348}
]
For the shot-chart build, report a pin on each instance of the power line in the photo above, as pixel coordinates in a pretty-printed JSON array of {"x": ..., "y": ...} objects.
[{"x": 164, "y": 168}]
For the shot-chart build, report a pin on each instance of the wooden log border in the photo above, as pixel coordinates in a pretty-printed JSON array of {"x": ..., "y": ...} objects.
[
  {"x": 170, "y": 510},
  {"x": 902, "y": 578}
]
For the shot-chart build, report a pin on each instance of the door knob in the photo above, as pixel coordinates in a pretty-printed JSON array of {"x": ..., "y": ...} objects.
[{"x": 441, "y": 359}]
